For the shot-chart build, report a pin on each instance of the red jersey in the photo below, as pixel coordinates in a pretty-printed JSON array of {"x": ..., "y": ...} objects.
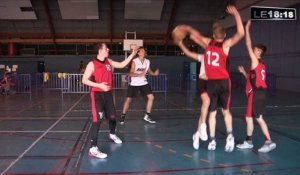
[
  {"x": 102, "y": 73},
  {"x": 257, "y": 76},
  {"x": 215, "y": 61}
]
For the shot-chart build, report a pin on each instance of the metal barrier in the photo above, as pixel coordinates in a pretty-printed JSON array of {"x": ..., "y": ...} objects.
[
  {"x": 120, "y": 80},
  {"x": 174, "y": 82},
  {"x": 183, "y": 82},
  {"x": 51, "y": 80},
  {"x": 20, "y": 83},
  {"x": 158, "y": 83},
  {"x": 73, "y": 84}
]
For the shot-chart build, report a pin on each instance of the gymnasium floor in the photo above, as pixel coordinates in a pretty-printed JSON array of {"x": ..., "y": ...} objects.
[{"x": 48, "y": 135}]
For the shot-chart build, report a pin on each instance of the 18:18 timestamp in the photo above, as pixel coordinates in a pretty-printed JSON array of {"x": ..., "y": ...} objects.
[{"x": 272, "y": 13}]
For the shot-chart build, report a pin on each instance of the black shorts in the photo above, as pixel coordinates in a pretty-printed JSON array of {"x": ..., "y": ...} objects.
[
  {"x": 102, "y": 105},
  {"x": 256, "y": 103},
  {"x": 202, "y": 85},
  {"x": 219, "y": 92},
  {"x": 133, "y": 90}
]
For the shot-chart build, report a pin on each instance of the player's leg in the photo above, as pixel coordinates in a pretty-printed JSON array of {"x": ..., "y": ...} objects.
[
  {"x": 225, "y": 98},
  {"x": 259, "y": 99},
  {"x": 131, "y": 93},
  {"x": 202, "y": 128},
  {"x": 111, "y": 115},
  {"x": 97, "y": 116},
  {"x": 204, "y": 110},
  {"x": 212, "y": 130},
  {"x": 146, "y": 90},
  {"x": 247, "y": 143},
  {"x": 213, "y": 96}
]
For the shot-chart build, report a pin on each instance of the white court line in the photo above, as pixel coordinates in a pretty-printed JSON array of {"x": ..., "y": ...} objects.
[
  {"x": 28, "y": 107},
  {"x": 12, "y": 131},
  {"x": 192, "y": 109},
  {"x": 134, "y": 110},
  {"x": 40, "y": 118},
  {"x": 38, "y": 139}
]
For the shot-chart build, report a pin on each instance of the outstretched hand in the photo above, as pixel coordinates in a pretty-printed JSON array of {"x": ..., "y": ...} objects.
[
  {"x": 241, "y": 69},
  {"x": 135, "y": 49},
  {"x": 232, "y": 10},
  {"x": 179, "y": 33},
  {"x": 156, "y": 72},
  {"x": 104, "y": 86}
]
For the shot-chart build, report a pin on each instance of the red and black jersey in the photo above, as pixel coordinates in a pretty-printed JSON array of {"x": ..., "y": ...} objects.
[
  {"x": 257, "y": 76},
  {"x": 215, "y": 61},
  {"x": 102, "y": 73}
]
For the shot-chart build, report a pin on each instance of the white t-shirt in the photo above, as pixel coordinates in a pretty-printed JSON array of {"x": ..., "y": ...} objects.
[
  {"x": 202, "y": 68},
  {"x": 140, "y": 67}
]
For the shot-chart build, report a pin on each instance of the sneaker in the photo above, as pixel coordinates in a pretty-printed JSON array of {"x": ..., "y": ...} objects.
[
  {"x": 196, "y": 140},
  {"x": 212, "y": 145},
  {"x": 122, "y": 119},
  {"x": 149, "y": 119},
  {"x": 203, "y": 132},
  {"x": 115, "y": 138},
  {"x": 229, "y": 147},
  {"x": 245, "y": 145},
  {"x": 268, "y": 146},
  {"x": 94, "y": 152}
]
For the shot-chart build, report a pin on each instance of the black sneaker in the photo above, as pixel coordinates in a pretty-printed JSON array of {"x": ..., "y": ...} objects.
[{"x": 122, "y": 119}]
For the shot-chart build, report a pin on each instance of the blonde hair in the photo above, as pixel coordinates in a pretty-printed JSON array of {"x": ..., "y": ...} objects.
[{"x": 218, "y": 31}]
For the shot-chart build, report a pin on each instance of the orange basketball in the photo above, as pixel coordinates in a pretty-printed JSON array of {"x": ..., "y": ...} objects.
[{"x": 178, "y": 34}]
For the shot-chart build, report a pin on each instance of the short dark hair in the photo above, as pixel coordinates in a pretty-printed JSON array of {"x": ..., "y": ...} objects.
[
  {"x": 141, "y": 47},
  {"x": 100, "y": 45},
  {"x": 261, "y": 47}
]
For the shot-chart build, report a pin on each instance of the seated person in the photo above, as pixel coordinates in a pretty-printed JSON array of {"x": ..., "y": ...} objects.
[{"x": 6, "y": 84}]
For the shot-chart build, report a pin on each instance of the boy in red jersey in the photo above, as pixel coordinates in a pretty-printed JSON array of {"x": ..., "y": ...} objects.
[
  {"x": 100, "y": 68},
  {"x": 218, "y": 85},
  {"x": 256, "y": 93}
]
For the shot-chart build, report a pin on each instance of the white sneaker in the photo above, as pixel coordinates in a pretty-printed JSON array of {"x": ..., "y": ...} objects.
[
  {"x": 94, "y": 152},
  {"x": 115, "y": 138},
  {"x": 245, "y": 145},
  {"x": 203, "y": 132},
  {"x": 268, "y": 146},
  {"x": 212, "y": 145},
  {"x": 196, "y": 140},
  {"x": 149, "y": 119},
  {"x": 229, "y": 147}
]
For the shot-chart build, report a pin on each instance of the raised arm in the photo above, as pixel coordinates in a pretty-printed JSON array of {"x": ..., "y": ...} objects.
[
  {"x": 239, "y": 25},
  {"x": 122, "y": 64},
  {"x": 86, "y": 78},
  {"x": 254, "y": 59},
  {"x": 196, "y": 35},
  {"x": 187, "y": 52}
]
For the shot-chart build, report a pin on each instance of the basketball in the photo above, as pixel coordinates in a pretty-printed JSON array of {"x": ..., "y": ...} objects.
[{"x": 178, "y": 34}]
